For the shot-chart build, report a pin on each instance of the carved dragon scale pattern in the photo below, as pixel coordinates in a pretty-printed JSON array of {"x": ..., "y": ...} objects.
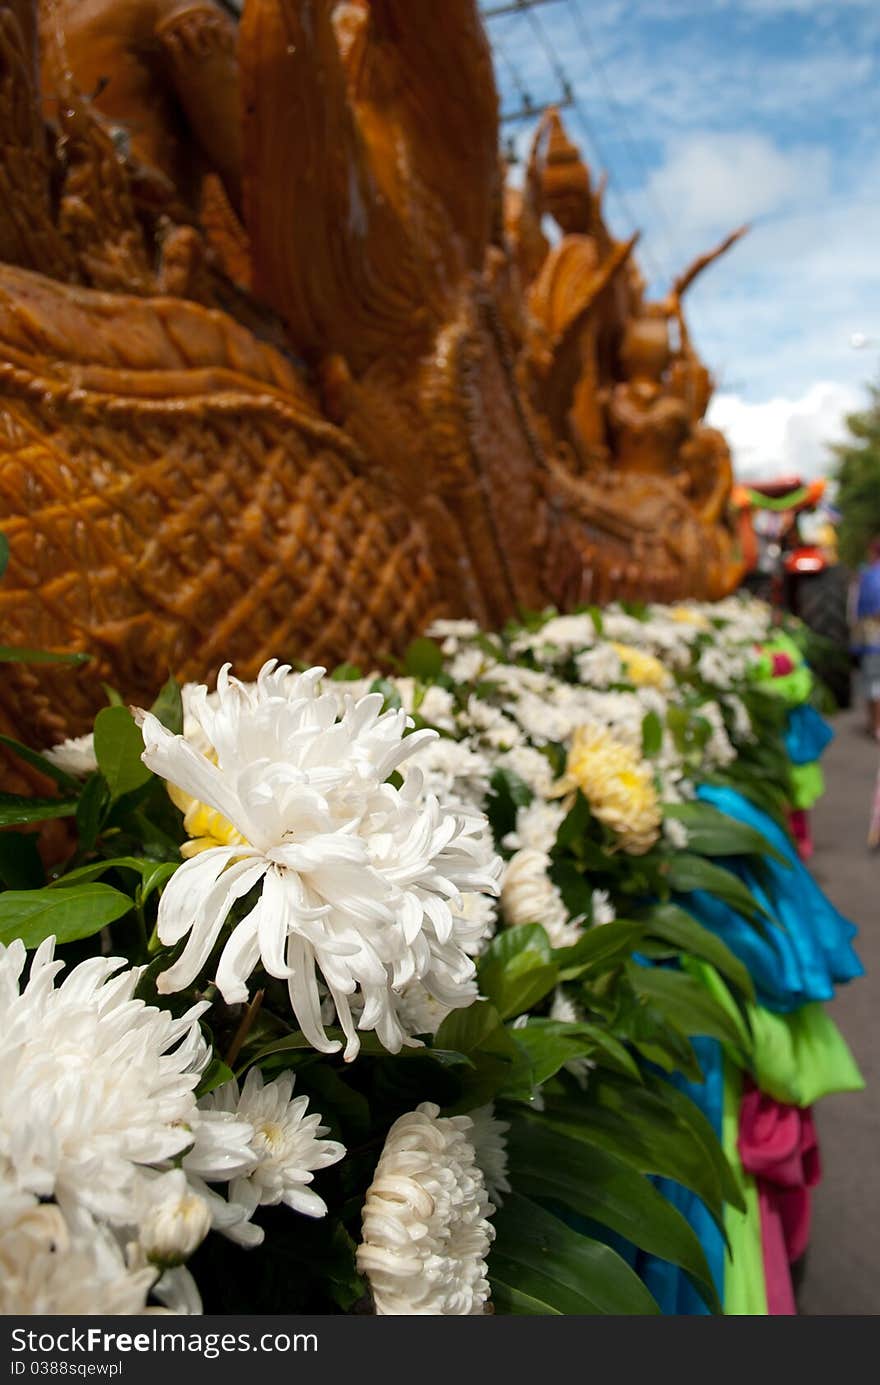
[{"x": 285, "y": 370}]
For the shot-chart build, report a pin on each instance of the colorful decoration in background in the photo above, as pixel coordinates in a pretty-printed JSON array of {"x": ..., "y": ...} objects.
[
  {"x": 303, "y": 1105},
  {"x": 275, "y": 376}
]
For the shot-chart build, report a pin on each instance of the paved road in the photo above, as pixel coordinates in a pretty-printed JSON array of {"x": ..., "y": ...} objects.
[{"x": 842, "y": 1272}]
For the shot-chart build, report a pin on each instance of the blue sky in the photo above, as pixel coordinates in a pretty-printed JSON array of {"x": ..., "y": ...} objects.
[{"x": 707, "y": 113}]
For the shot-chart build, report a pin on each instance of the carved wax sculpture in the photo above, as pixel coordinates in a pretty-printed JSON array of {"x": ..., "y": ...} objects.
[
  {"x": 171, "y": 492},
  {"x": 270, "y": 381},
  {"x": 613, "y": 402}
]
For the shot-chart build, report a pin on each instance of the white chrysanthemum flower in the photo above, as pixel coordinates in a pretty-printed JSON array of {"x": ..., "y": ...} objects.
[
  {"x": 718, "y": 750},
  {"x": 468, "y": 664},
  {"x": 533, "y": 768},
  {"x": 98, "y": 1088},
  {"x": 675, "y": 833},
  {"x": 453, "y": 771},
  {"x": 567, "y": 632},
  {"x": 742, "y": 722},
  {"x": 478, "y": 922},
  {"x": 490, "y": 1148},
  {"x": 453, "y": 631},
  {"x": 426, "y": 1228},
  {"x": 421, "y": 1013},
  {"x": 48, "y": 1268},
  {"x": 537, "y": 826},
  {"x": 528, "y": 895},
  {"x": 358, "y": 879},
  {"x": 75, "y": 756},
  {"x": 287, "y": 1144},
  {"x": 600, "y": 667},
  {"x": 602, "y": 908},
  {"x": 173, "y": 1220},
  {"x": 490, "y": 725}
]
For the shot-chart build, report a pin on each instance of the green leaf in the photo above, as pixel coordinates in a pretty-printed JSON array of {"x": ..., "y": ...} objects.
[
  {"x": 20, "y": 865},
  {"x": 17, "y": 808},
  {"x": 600, "y": 949},
  {"x": 550, "y": 1044},
  {"x": 515, "y": 971},
  {"x": 4, "y": 553},
  {"x": 539, "y": 1266},
  {"x": 465, "y": 1030},
  {"x": 9, "y": 654},
  {"x": 685, "y": 1002},
  {"x": 215, "y": 1074},
  {"x": 91, "y": 810},
  {"x": 153, "y": 873},
  {"x": 677, "y": 1105},
  {"x": 118, "y": 749},
  {"x": 712, "y": 833},
  {"x": 423, "y": 659},
  {"x": 346, "y": 673},
  {"x": 168, "y": 707},
  {"x": 549, "y": 1166},
  {"x": 674, "y": 925},
  {"x": 66, "y": 781},
  {"x": 507, "y": 792},
  {"x": 79, "y": 912},
  {"x": 687, "y": 872},
  {"x": 652, "y": 735}
]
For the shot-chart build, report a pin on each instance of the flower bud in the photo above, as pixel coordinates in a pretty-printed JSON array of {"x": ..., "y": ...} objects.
[{"x": 177, "y": 1221}]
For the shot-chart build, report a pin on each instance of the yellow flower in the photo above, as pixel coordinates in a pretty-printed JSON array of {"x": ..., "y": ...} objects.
[
  {"x": 685, "y": 616},
  {"x": 640, "y": 668},
  {"x": 617, "y": 785},
  {"x": 204, "y": 825}
]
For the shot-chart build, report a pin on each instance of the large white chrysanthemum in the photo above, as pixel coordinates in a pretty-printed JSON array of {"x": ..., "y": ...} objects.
[
  {"x": 48, "y": 1268},
  {"x": 287, "y": 1144},
  {"x": 426, "y": 1228},
  {"x": 358, "y": 879},
  {"x": 98, "y": 1088}
]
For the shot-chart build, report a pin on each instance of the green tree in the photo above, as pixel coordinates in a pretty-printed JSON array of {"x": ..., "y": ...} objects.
[{"x": 858, "y": 477}]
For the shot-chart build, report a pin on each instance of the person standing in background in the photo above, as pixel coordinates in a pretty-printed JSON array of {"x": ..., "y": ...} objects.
[{"x": 866, "y": 633}]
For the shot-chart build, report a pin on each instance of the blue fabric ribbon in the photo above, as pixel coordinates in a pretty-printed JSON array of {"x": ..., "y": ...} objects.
[
  {"x": 804, "y": 958},
  {"x": 807, "y": 734}
]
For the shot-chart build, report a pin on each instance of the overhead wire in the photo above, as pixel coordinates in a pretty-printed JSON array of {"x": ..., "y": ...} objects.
[{"x": 558, "y": 69}]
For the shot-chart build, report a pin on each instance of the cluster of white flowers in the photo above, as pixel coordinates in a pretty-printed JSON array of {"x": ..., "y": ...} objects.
[{"x": 99, "y": 1120}]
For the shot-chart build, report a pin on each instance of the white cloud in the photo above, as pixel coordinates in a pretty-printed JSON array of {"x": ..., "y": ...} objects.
[
  {"x": 784, "y": 436},
  {"x": 715, "y": 181}
]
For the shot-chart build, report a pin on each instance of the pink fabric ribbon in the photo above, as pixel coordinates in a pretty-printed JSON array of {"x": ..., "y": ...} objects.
[{"x": 778, "y": 1145}]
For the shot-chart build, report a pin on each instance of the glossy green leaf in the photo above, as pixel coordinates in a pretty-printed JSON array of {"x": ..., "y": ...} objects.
[
  {"x": 600, "y": 949},
  {"x": 549, "y": 1166},
  {"x": 685, "y": 1002},
  {"x": 539, "y": 1266},
  {"x": 118, "y": 749},
  {"x": 688, "y": 872},
  {"x": 652, "y": 735},
  {"x": 550, "y": 1044},
  {"x": 215, "y": 1074},
  {"x": 79, "y": 912},
  {"x": 515, "y": 972},
  {"x": 674, "y": 925},
  {"x": 18, "y": 808},
  {"x": 713, "y": 833},
  {"x": 423, "y": 659},
  {"x": 168, "y": 707},
  {"x": 91, "y": 810},
  {"x": 153, "y": 874},
  {"x": 4, "y": 553}
]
